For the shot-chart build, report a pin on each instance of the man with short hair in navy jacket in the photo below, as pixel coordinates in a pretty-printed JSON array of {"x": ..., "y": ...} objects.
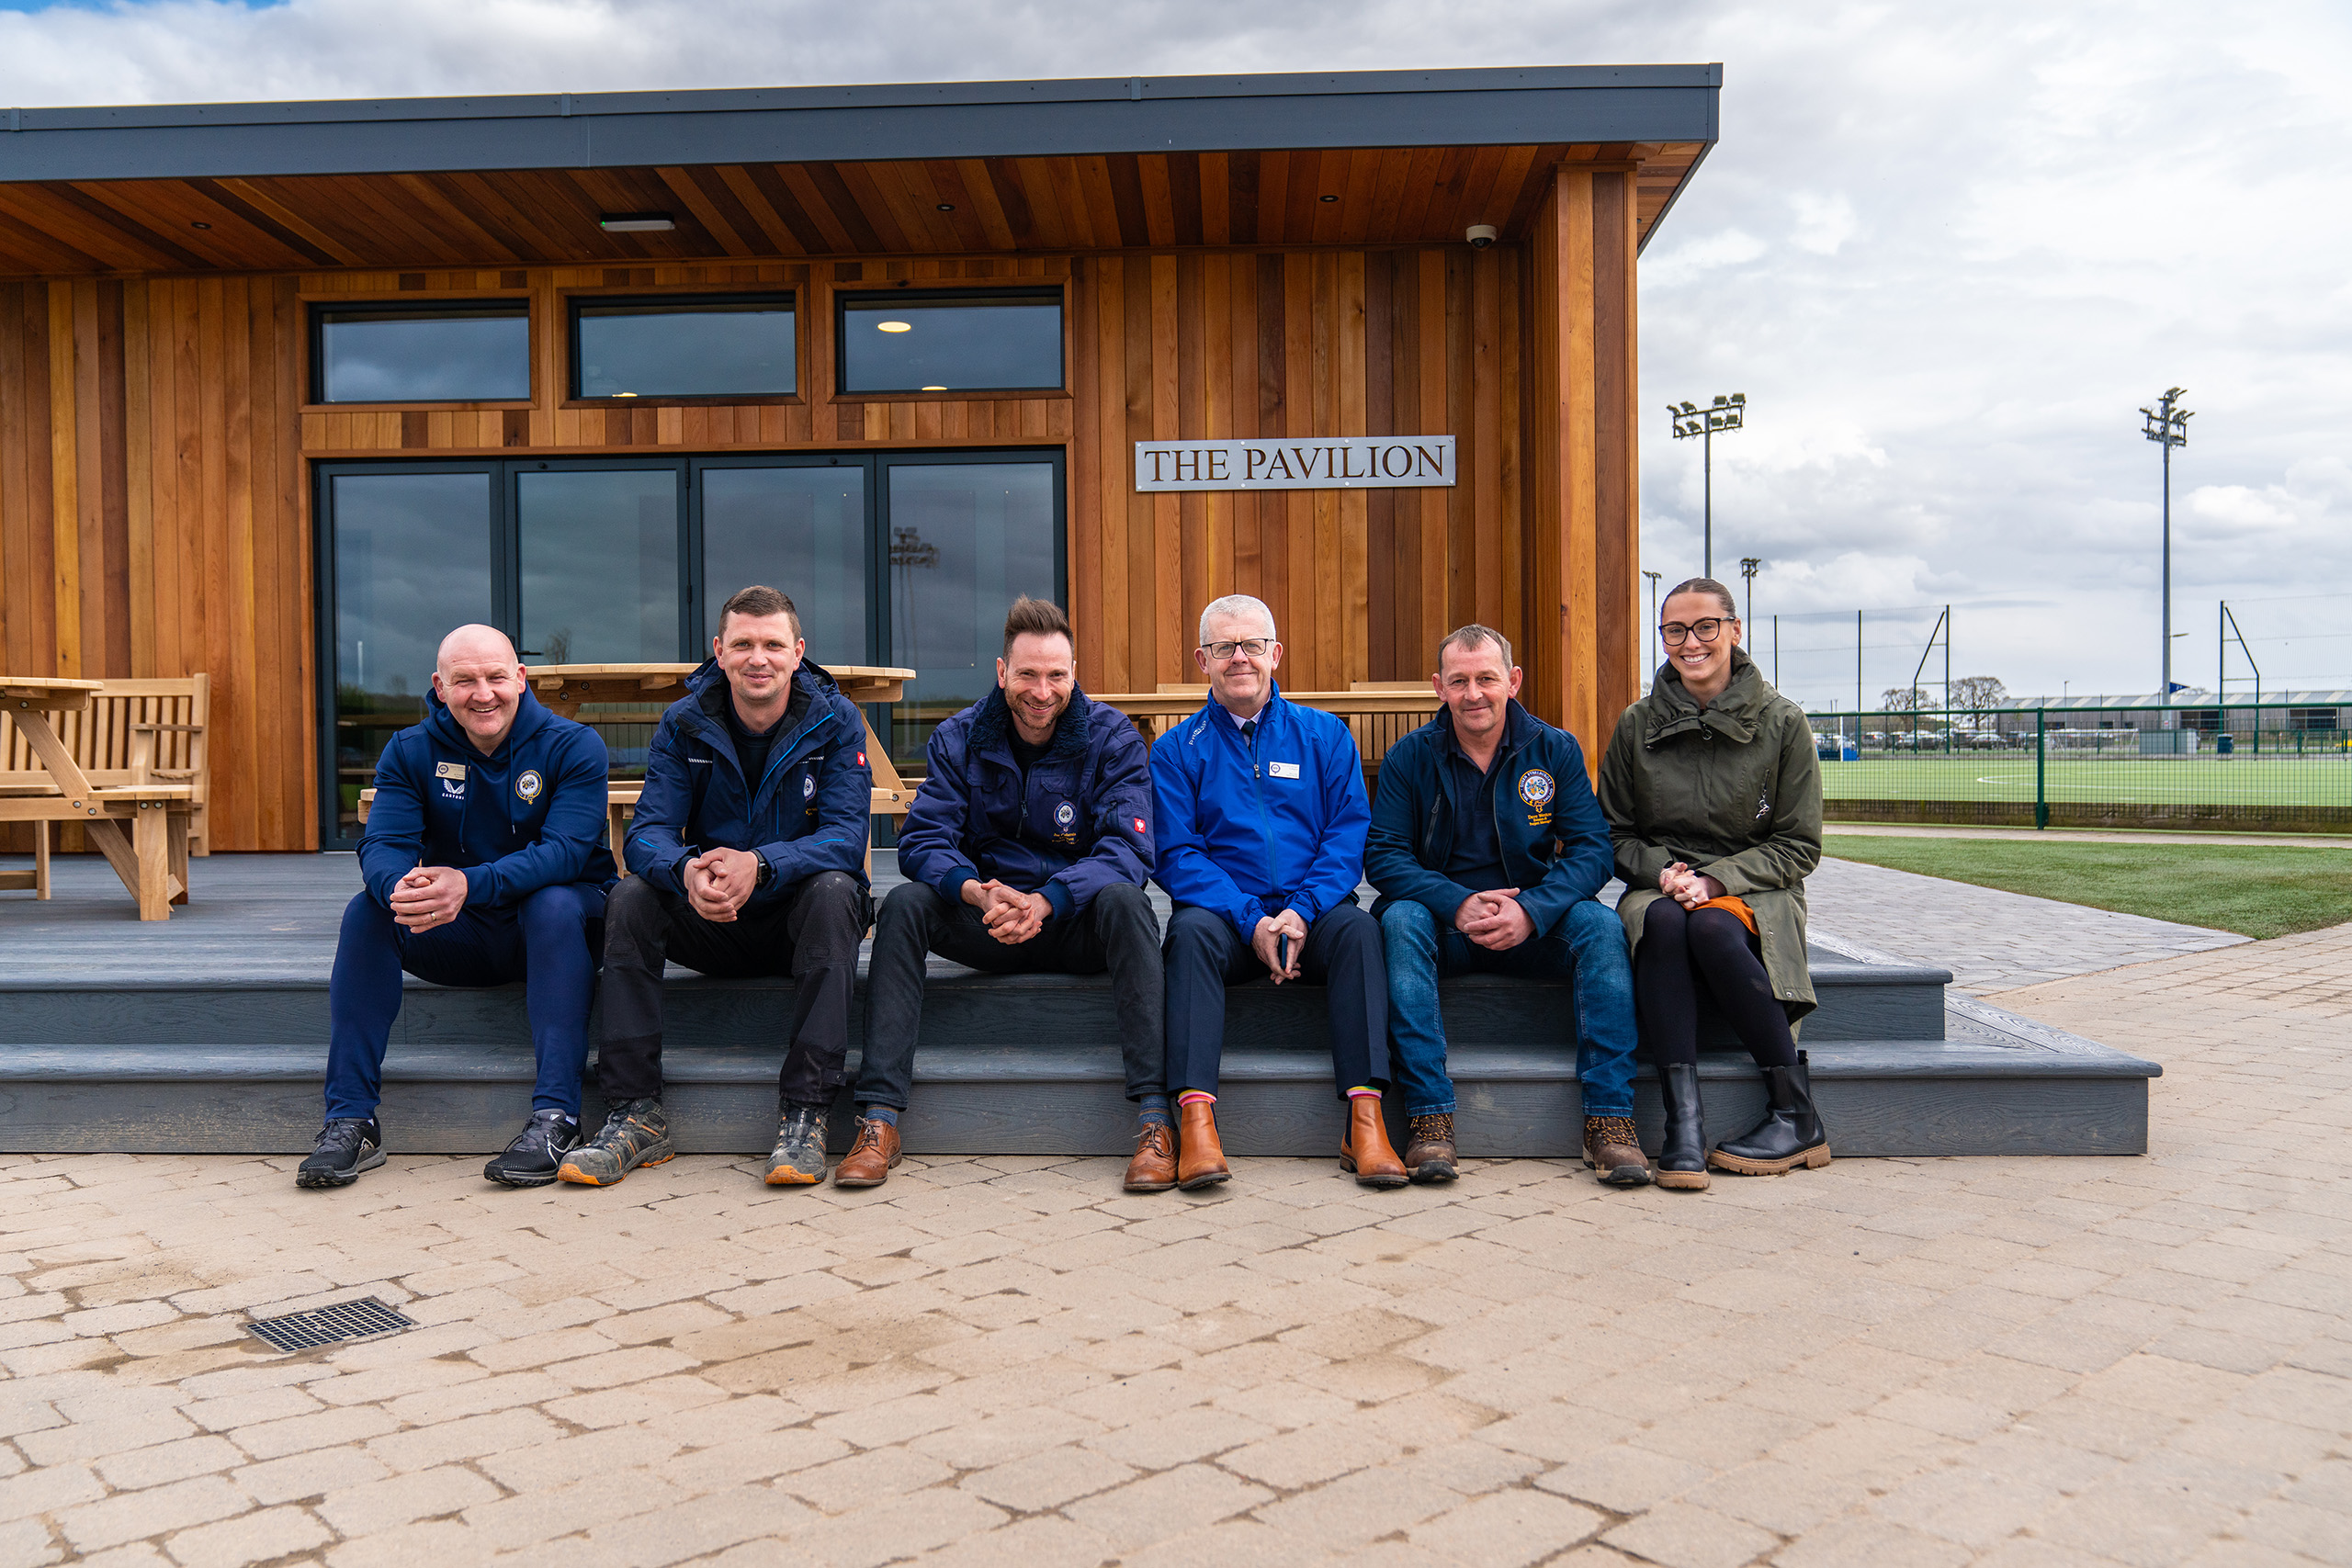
[
  {"x": 1488, "y": 846},
  {"x": 749, "y": 848},
  {"x": 1025, "y": 852},
  {"x": 1261, "y": 825},
  {"x": 484, "y": 864}
]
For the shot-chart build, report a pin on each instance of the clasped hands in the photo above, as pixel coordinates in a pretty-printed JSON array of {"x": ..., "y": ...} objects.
[
  {"x": 1265, "y": 942},
  {"x": 718, "y": 882},
  {"x": 1011, "y": 916},
  {"x": 1687, "y": 887},
  {"x": 1494, "y": 919},
  {"x": 428, "y": 896}
]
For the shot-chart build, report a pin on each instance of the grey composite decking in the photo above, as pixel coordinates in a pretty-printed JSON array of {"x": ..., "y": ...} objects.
[{"x": 207, "y": 1034}]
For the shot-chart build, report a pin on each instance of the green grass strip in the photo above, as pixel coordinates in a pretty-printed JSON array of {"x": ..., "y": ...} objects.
[{"x": 2258, "y": 891}]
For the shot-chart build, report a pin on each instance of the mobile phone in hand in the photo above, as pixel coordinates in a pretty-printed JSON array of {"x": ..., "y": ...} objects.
[{"x": 1281, "y": 951}]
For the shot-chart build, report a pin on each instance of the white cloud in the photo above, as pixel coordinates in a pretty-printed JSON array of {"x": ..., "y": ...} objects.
[{"x": 1822, "y": 222}]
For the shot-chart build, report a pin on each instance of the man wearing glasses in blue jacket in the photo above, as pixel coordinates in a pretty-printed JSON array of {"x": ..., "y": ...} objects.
[{"x": 1262, "y": 830}]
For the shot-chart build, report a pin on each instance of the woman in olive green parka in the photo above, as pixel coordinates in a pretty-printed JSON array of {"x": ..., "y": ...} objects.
[{"x": 1711, "y": 785}]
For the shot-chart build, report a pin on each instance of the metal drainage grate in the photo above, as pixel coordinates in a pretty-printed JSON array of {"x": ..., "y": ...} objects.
[{"x": 330, "y": 1325}]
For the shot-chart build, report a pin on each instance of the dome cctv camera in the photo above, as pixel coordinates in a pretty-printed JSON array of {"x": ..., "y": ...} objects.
[{"x": 1480, "y": 236}]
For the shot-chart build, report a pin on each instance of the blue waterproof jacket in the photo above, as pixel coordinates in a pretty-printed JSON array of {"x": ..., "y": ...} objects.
[
  {"x": 531, "y": 814},
  {"x": 1250, "y": 836},
  {"x": 806, "y": 813},
  {"x": 1080, "y": 822},
  {"x": 1556, "y": 842}
]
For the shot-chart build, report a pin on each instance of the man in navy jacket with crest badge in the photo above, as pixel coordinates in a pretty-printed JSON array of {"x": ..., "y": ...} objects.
[
  {"x": 484, "y": 864},
  {"x": 1026, "y": 850},
  {"x": 749, "y": 854}
]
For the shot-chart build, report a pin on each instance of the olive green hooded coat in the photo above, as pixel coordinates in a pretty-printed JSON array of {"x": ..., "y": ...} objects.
[{"x": 1731, "y": 789}]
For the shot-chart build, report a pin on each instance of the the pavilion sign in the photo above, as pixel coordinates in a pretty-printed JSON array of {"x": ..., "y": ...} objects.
[{"x": 1355, "y": 462}]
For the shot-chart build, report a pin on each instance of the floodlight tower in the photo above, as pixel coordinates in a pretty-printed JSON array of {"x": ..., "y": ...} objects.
[
  {"x": 1654, "y": 577},
  {"x": 1690, "y": 419},
  {"x": 2167, "y": 426},
  {"x": 1748, "y": 567}
]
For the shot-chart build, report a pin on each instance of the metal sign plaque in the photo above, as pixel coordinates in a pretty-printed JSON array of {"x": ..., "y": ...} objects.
[{"x": 1351, "y": 462}]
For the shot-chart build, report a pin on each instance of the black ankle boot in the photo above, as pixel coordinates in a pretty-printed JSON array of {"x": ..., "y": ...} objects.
[
  {"x": 1683, "y": 1162},
  {"x": 1789, "y": 1136}
]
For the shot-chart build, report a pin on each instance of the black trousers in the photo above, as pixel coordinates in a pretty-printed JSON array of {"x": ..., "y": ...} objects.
[
  {"x": 1116, "y": 930},
  {"x": 812, "y": 936},
  {"x": 1682, "y": 950},
  {"x": 1205, "y": 954}
]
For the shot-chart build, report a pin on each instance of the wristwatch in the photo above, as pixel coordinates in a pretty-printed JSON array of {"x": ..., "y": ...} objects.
[{"x": 765, "y": 875}]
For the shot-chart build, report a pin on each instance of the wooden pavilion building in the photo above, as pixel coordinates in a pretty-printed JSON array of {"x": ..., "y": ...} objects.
[{"x": 287, "y": 389}]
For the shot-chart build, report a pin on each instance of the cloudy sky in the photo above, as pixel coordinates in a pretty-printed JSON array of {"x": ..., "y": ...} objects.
[{"x": 1947, "y": 251}]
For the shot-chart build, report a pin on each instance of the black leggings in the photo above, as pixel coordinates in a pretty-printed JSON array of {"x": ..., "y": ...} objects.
[{"x": 1682, "y": 949}]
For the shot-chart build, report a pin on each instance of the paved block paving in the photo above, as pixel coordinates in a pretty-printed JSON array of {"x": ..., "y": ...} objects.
[{"x": 2027, "y": 1363}]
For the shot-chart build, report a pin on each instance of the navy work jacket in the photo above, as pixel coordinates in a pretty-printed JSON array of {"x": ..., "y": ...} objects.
[
  {"x": 531, "y": 814},
  {"x": 1080, "y": 822},
  {"x": 1555, "y": 840},
  {"x": 1250, "y": 835},
  {"x": 806, "y": 813}
]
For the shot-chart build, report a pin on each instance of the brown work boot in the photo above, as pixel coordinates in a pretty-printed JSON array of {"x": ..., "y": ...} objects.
[
  {"x": 1428, "y": 1152},
  {"x": 1154, "y": 1167},
  {"x": 872, "y": 1157},
  {"x": 1201, "y": 1158},
  {"x": 1365, "y": 1149},
  {"x": 1613, "y": 1148}
]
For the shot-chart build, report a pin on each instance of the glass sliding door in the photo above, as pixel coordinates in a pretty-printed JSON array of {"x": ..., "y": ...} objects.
[
  {"x": 800, "y": 529},
  {"x": 964, "y": 541},
  {"x": 411, "y": 559},
  {"x": 597, "y": 565}
]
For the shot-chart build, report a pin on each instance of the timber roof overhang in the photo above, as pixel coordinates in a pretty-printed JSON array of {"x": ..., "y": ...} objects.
[{"x": 1373, "y": 157}]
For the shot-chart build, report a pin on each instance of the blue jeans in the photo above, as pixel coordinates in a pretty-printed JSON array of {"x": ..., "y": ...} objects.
[
  {"x": 1586, "y": 946},
  {"x": 544, "y": 941}
]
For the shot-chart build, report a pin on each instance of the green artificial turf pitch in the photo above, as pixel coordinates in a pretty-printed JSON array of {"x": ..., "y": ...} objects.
[
  {"x": 2255, "y": 890},
  {"x": 2324, "y": 779}
]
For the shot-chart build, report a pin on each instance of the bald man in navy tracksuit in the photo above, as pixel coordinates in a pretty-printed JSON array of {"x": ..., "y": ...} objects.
[{"x": 484, "y": 864}]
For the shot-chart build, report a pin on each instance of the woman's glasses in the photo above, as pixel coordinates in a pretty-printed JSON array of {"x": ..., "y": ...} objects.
[{"x": 1705, "y": 631}]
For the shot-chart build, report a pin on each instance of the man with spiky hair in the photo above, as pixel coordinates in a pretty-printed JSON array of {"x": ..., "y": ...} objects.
[
  {"x": 749, "y": 850},
  {"x": 1025, "y": 852}
]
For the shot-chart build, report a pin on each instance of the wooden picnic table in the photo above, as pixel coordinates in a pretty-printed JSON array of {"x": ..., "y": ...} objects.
[{"x": 151, "y": 859}]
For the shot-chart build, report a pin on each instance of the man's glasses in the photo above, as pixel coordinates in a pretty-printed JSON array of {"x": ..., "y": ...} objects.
[
  {"x": 1705, "y": 631},
  {"x": 1255, "y": 648}
]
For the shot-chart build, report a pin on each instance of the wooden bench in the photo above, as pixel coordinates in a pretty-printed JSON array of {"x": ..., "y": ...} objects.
[
  {"x": 103, "y": 755},
  {"x": 132, "y": 734}
]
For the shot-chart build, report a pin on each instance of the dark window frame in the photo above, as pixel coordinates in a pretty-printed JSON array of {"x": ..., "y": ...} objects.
[
  {"x": 1055, "y": 294},
  {"x": 571, "y": 300},
  {"x": 316, "y": 309},
  {"x": 505, "y": 553}
]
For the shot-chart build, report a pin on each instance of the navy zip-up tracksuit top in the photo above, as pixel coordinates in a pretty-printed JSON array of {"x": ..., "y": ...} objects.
[
  {"x": 1080, "y": 821},
  {"x": 531, "y": 814},
  {"x": 1250, "y": 835},
  {"x": 806, "y": 813},
  {"x": 1555, "y": 840}
]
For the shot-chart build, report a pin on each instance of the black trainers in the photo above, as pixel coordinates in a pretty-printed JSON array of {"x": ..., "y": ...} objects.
[
  {"x": 346, "y": 1146},
  {"x": 635, "y": 1132},
  {"x": 531, "y": 1158}
]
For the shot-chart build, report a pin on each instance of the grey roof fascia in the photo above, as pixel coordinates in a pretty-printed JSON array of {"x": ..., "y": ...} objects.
[{"x": 1643, "y": 103}]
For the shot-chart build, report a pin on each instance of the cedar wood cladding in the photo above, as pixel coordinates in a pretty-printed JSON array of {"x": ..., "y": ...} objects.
[{"x": 154, "y": 509}]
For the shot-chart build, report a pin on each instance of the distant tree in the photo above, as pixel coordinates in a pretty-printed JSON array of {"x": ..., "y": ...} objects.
[
  {"x": 1977, "y": 693},
  {"x": 1906, "y": 699}
]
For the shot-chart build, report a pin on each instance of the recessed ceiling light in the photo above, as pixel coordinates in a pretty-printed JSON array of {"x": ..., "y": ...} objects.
[
  {"x": 946, "y": 207},
  {"x": 894, "y": 326},
  {"x": 624, "y": 394},
  {"x": 1327, "y": 198},
  {"x": 934, "y": 389},
  {"x": 635, "y": 223},
  {"x": 199, "y": 223}
]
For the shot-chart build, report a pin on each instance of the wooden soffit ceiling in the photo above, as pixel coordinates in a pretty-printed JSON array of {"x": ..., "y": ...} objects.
[{"x": 943, "y": 206}]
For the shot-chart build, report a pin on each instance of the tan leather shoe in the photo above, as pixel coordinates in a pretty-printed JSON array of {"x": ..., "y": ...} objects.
[
  {"x": 1200, "y": 1160},
  {"x": 1365, "y": 1150},
  {"x": 1613, "y": 1148},
  {"x": 1154, "y": 1167},
  {"x": 871, "y": 1158}
]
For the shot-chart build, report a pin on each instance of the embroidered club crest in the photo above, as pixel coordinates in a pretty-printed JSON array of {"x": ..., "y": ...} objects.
[
  {"x": 1535, "y": 787},
  {"x": 1139, "y": 827},
  {"x": 1065, "y": 814},
  {"x": 808, "y": 786},
  {"x": 530, "y": 784},
  {"x": 861, "y": 759}
]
